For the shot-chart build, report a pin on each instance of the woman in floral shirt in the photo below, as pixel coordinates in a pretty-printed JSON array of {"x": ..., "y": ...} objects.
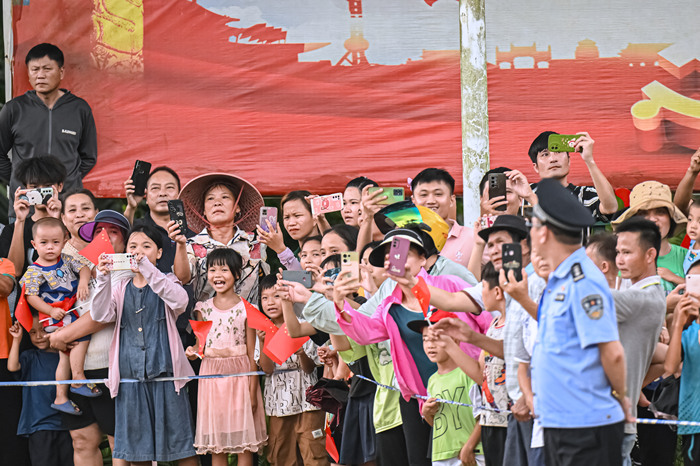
[{"x": 224, "y": 209}]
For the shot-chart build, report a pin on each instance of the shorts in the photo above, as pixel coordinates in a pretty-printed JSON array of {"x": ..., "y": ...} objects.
[
  {"x": 51, "y": 448},
  {"x": 601, "y": 445},
  {"x": 297, "y": 439},
  {"x": 99, "y": 409},
  {"x": 391, "y": 447}
]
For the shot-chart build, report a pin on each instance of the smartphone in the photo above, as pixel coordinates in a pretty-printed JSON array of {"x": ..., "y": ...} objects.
[
  {"x": 38, "y": 196},
  {"x": 122, "y": 262},
  {"x": 497, "y": 187},
  {"x": 397, "y": 256},
  {"x": 350, "y": 262},
  {"x": 692, "y": 284},
  {"x": 298, "y": 276},
  {"x": 269, "y": 214},
  {"x": 177, "y": 214},
  {"x": 393, "y": 195},
  {"x": 140, "y": 176},
  {"x": 325, "y": 204},
  {"x": 512, "y": 259},
  {"x": 562, "y": 142}
]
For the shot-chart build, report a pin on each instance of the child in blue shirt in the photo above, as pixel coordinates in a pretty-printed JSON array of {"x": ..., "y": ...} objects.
[{"x": 50, "y": 443}]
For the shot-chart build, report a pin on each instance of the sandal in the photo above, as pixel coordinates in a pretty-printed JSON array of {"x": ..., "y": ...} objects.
[
  {"x": 68, "y": 407},
  {"x": 89, "y": 390}
]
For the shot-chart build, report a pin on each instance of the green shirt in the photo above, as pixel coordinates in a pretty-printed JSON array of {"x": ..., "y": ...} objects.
[
  {"x": 386, "y": 412},
  {"x": 672, "y": 261},
  {"x": 453, "y": 424}
]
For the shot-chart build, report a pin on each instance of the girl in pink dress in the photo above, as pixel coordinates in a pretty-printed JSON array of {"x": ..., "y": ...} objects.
[{"x": 230, "y": 415}]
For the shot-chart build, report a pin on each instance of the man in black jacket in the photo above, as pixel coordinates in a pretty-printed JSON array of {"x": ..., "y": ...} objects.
[{"x": 47, "y": 120}]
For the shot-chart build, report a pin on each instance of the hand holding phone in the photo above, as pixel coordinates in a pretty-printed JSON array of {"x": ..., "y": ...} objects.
[
  {"x": 122, "y": 262},
  {"x": 562, "y": 142},
  {"x": 512, "y": 259},
  {"x": 298, "y": 276},
  {"x": 139, "y": 177},
  {"x": 393, "y": 195},
  {"x": 268, "y": 214},
  {"x": 37, "y": 196},
  {"x": 177, "y": 214},
  {"x": 398, "y": 252},
  {"x": 350, "y": 267},
  {"x": 497, "y": 188}
]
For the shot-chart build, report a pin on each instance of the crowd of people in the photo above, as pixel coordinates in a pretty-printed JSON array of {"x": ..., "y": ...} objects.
[{"x": 535, "y": 335}]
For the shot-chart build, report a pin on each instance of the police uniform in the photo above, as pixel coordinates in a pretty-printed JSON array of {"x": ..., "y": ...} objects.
[{"x": 573, "y": 398}]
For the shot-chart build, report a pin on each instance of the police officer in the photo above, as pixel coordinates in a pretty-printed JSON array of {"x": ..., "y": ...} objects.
[{"x": 578, "y": 363}]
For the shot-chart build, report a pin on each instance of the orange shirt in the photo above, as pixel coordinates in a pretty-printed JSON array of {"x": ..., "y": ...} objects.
[{"x": 7, "y": 268}]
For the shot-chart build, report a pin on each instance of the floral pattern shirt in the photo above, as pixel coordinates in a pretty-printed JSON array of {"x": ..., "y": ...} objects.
[{"x": 252, "y": 252}]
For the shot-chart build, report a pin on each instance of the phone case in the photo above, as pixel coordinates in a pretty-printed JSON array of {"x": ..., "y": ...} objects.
[
  {"x": 512, "y": 259},
  {"x": 177, "y": 214},
  {"x": 269, "y": 214},
  {"x": 397, "y": 256},
  {"x": 140, "y": 176},
  {"x": 497, "y": 187},
  {"x": 692, "y": 284},
  {"x": 329, "y": 203},
  {"x": 394, "y": 195},
  {"x": 350, "y": 262},
  {"x": 38, "y": 196},
  {"x": 298, "y": 276},
  {"x": 562, "y": 142},
  {"x": 122, "y": 262}
]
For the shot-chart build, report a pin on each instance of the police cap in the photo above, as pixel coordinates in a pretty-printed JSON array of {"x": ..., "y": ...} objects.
[{"x": 559, "y": 207}]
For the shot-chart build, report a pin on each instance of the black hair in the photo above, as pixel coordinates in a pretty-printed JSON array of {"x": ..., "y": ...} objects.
[
  {"x": 371, "y": 245},
  {"x": 164, "y": 168},
  {"x": 84, "y": 191},
  {"x": 49, "y": 222},
  {"x": 299, "y": 195},
  {"x": 605, "y": 244},
  {"x": 347, "y": 233},
  {"x": 540, "y": 143},
  {"x": 360, "y": 182},
  {"x": 692, "y": 266},
  {"x": 42, "y": 170},
  {"x": 694, "y": 202},
  {"x": 266, "y": 283},
  {"x": 428, "y": 243},
  {"x": 227, "y": 257},
  {"x": 485, "y": 178},
  {"x": 333, "y": 259},
  {"x": 565, "y": 236},
  {"x": 430, "y": 175},
  {"x": 148, "y": 230},
  {"x": 309, "y": 239},
  {"x": 649, "y": 234},
  {"x": 45, "y": 50},
  {"x": 489, "y": 274}
]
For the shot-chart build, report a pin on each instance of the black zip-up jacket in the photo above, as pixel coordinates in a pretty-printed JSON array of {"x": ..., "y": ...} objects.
[{"x": 30, "y": 128}]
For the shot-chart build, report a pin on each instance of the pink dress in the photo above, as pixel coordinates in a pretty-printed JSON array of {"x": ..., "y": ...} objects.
[{"x": 225, "y": 421}]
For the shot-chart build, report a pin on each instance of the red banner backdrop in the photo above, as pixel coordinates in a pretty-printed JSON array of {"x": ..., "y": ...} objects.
[{"x": 175, "y": 83}]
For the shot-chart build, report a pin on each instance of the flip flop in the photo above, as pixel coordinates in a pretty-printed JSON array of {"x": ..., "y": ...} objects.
[
  {"x": 89, "y": 390},
  {"x": 68, "y": 407}
]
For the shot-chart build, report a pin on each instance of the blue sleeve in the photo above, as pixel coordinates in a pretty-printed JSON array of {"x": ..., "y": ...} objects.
[{"x": 594, "y": 313}]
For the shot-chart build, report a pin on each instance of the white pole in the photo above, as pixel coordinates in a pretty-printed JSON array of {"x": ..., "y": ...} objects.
[
  {"x": 8, "y": 41},
  {"x": 475, "y": 120}
]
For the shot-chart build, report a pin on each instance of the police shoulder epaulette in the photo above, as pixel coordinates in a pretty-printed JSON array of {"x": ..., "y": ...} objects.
[{"x": 577, "y": 272}]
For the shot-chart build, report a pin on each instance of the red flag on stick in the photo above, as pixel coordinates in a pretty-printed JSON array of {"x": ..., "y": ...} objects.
[
  {"x": 99, "y": 245},
  {"x": 22, "y": 312},
  {"x": 201, "y": 330},
  {"x": 258, "y": 320},
  {"x": 281, "y": 346},
  {"x": 422, "y": 293}
]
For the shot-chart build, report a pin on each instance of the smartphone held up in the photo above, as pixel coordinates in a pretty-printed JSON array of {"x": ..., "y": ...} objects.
[{"x": 512, "y": 259}]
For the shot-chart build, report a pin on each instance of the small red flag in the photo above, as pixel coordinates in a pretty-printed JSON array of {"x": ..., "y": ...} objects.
[
  {"x": 330, "y": 445},
  {"x": 258, "y": 320},
  {"x": 99, "y": 245},
  {"x": 201, "y": 330},
  {"x": 281, "y": 346},
  {"x": 422, "y": 293},
  {"x": 22, "y": 312}
]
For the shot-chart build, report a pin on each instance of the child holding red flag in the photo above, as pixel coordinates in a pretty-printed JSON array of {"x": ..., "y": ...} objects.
[
  {"x": 51, "y": 285},
  {"x": 230, "y": 418},
  {"x": 296, "y": 426}
]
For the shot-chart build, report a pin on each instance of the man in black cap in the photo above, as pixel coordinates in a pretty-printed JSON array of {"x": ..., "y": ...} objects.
[{"x": 578, "y": 363}]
